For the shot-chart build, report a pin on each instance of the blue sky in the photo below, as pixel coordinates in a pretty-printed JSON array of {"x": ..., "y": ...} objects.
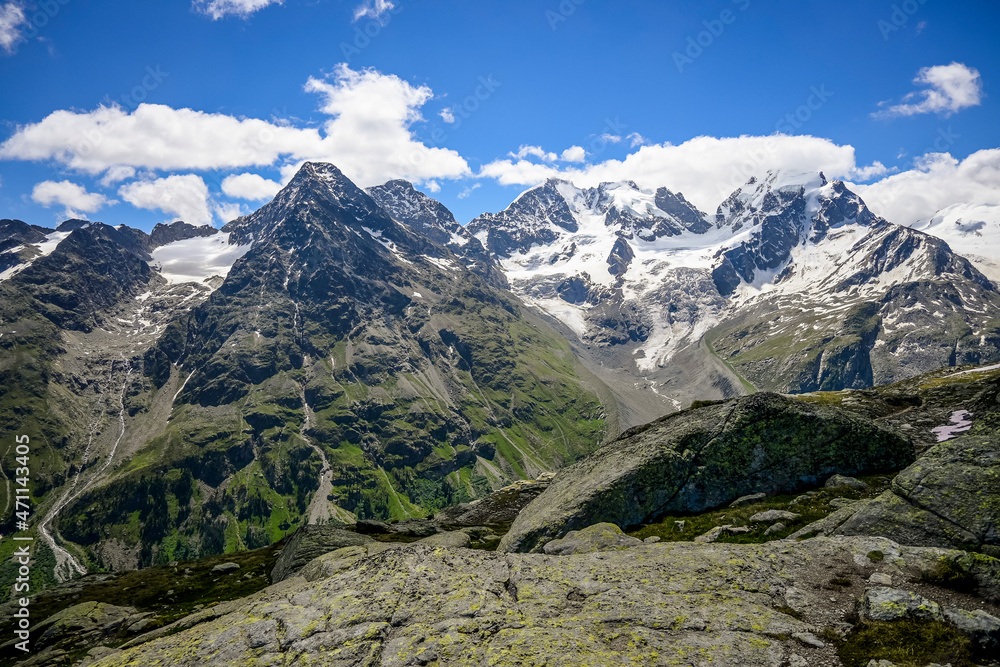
[{"x": 476, "y": 101}]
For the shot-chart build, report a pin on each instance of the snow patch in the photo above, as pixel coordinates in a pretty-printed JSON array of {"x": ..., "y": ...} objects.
[{"x": 197, "y": 260}]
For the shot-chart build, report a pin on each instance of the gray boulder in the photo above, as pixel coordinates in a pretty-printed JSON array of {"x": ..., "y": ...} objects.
[
  {"x": 982, "y": 628},
  {"x": 599, "y": 537},
  {"x": 950, "y": 497},
  {"x": 881, "y": 603},
  {"x": 771, "y": 516},
  {"x": 704, "y": 458},
  {"x": 844, "y": 481},
  {"x": 308, "y": 542},
  {"x": 225, "y": 568}
]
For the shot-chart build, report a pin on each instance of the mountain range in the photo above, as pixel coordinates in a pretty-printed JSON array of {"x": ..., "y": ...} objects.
[{"x": 343, "y": 354}]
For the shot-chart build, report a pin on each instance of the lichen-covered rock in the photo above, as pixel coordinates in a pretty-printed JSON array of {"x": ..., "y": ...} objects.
[
  {"x": 86, "y": 618},
  {"x": 310, "y": 541},
  {"x": 453, "y": 539},
  {"x": 881, "y": 603},
  {"x": 950, "y": 497},
  {"x": 599, "y": 537},
  {"x": 498, "y": 509},
  {"x": 842, "y": 481},
  {"x": 748, "y": 499},
  {"x": 770, "y": 516},
  {"x": 657, "y": 604},
  {"x": 703, "y": 458},
  {"x": 74, "y": 629},
  {"x": 717, "y": 532},
  {"x": 982, "y": 628},
  {"x": 225, "y": 568}
]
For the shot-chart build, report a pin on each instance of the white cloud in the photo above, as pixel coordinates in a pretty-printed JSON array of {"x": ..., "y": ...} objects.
[
  {"x": 117, "y": 174},
  {"x": 938, "y": 181},
  {"x": 448, "y": 115},
  {"x": 636, "y": 139},
  {"x": 74, "y": 197},
  {"x": 250, "y": 186},
  {"x": 369, "y": 136},
  {"x": 574, "y": 154},
  {"x": 185, "y": 197},
  {"x": 374, "y": 9},
  {"x": 948, "y": 89},
  {"x": 432, "y": 186},
  {"x": 533, "y": 151},
  {"x": 705, "y": 169},
  {"x": 874, "y": 170},
  {"x": 155, "y": 136},
  {"x": 464, "y": 194},
  {"x": 11, "y": 19},
  {"x": 227, "y": 211},
  {"x": 218, "y": 9}
]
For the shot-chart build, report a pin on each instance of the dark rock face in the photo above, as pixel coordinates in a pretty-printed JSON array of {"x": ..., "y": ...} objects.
[
  {"x": 93, "y": 269},
  {"x": 432, "y": 219},
  {"x": 163, "y": 233},
  {"x": 620, "y": 258},
  {"x": 682, "y": 210},
  {"x": 15, "y": 232},
  {"x": 72, "y": 225},
  {"x": 528, "y": 221},
  {"x": 705, "y": 458}
]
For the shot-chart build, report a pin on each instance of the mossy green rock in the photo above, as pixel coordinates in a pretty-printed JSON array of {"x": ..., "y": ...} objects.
[
  {"x": 950, "y": 498},
  {"x": 704, "y": 458}
]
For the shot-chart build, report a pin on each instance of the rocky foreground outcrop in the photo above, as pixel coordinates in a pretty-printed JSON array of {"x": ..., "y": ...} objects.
[
  {"x": 949, "y": 497},
  {"x": 704, "y": 458},
  {"x": 653, "y": 604}
]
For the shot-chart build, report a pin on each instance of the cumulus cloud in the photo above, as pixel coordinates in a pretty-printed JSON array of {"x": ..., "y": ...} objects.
[
  {"x": 185, "y": 197},
  {"x": 533, "y": 151},
  {"x": 252, "y": 187},
  {"x": 937, "y": 182},
  {"x": 574, "y": 154},
  {"x": 874, "y": 170},
  {"x": 156, "y": 137},
  {"x": 432, "y": 186},
  {"x": 448, "y": 115},
  {"x": 374, "y": 9},
  {"x": 705, "y": 169},
  {"x": 217, "y": 9},
  {"x": 117, "y": 174},
  {"x": 369, "y": 136},
  {"x": 227, "y": 211},
  {"x": 947, "y": 90},
  {"x": 11, "y": 19},
  {"x": 74, "y": 197}
]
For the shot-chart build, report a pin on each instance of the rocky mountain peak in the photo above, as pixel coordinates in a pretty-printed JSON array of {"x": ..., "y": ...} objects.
[
  {"x": 164, "y": 234},
  {"x": 416, "y": 210},
  {"x": 72, "y": 224},
  {"x": 319, "y": 193}
]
